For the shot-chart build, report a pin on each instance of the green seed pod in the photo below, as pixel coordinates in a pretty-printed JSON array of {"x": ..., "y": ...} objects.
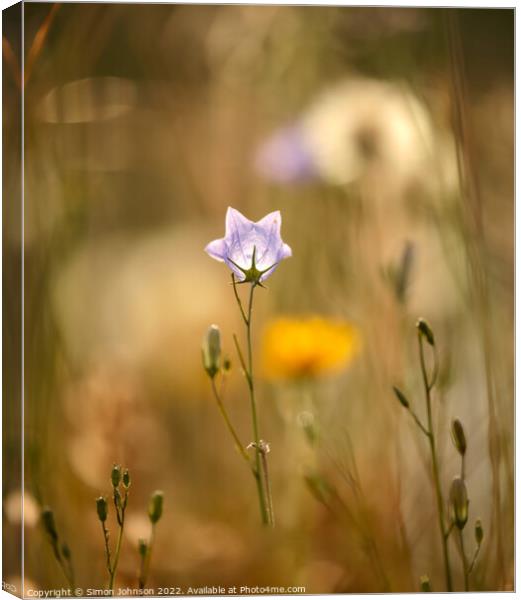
[
  {"x": 459, "y": 502},
  {"x": 458, "y": 436},
  {"x": 425, "y": 330},
  {"x": 425, "y": 584},
  {"x": 212, "y": 351},
  {"x": 401, "y": 398},
  {"x": 155, "y": 506},
  {"x": 126, "y": 478},
  {"x": 142, "y": 547},
  {"x": 115, "y": 476},
  {"x": 49, "y": 523},
  {"x": 478, "y": 532},
  {"x": 102, "y": 508}
]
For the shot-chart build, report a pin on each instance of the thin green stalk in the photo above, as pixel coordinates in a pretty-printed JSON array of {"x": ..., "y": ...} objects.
[
  {"x": 255, "y": 424},
  {"x": 267, "y": 485},
  {"x": 464, "y": 560},
  {"x": 435, "y": 467},
  {"x": 229, "y": 425},
  {"x": 71, "y": 573},
  {"x": 145, "y": 564},
  {"x": 68, "y": 575},
  {"x": 116, "y": 559},
  {"x": 118, "y": 544},
  {"x": 474, "y": 558},
  {"x": 418, "y": 422},
  {"x": 107, "y": 548},
  {"x": 257, "y": 469}
]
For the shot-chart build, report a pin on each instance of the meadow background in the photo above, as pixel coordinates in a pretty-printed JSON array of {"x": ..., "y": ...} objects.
[{"x": 142, "y": 125}]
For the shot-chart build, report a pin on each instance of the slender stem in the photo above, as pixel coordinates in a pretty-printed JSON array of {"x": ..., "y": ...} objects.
[
  {"x": 255, "y": 424},
  {"x": 142, "y": 576},
  {"x": 118, "y": 544},
  {"x": 68, "y": 575},
  {"x": 464, "y": 559},
  {"x": 116, "y": 559},
  {"x": 145, "y": 563},
  {"x": 238, "y": 298},
  {"x": 449, "y": 530},
  {"x": 107, "y": 548},
  {"x": 259, "y": 470},
  {"x": 474, "y": 558},
  {"x": 267, "y": 485},
  {"x": 435, "y": 468},
  {"x": 117, "y": 505},
  {"x": 241, "y": 357},
  {"x": 229, "y": 425},
  {"x": 70, "y": 570},
  {"x": 418, "y": 422}
]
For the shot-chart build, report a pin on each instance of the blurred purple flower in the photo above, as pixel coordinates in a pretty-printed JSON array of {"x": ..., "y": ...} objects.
[
  {"x": 251, "y": 250},
  {"x": 286, "y": 157}
]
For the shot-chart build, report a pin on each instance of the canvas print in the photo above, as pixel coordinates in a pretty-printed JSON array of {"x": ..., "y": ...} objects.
[{"x": 258, "y": 299}]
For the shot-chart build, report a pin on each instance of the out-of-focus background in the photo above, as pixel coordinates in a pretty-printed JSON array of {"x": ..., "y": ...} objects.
[{"x": 385, "y": 137}]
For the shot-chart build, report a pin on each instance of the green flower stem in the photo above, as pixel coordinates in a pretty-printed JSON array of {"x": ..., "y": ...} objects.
[
  {"x": 435, "y": 466},
  {"x": 69, "y": 576},
  {"x": 145, "y": 563},
  {"x": 474, "y": 558},
  {"x": 267, "y": 485},
  {"x": 449, "y": 530},
  {"x": 229, "y": 425},
  {"x": 266, "y": 517},
  {"x": 70, "y": 570},
  {"x": 114, "y": 566},
  {"x": 418, "y": 422},
  {"x": 261, "y": 478},
  {"x": 464, "y": 560},
  {"x": 116, "y": 559},
  {"x": 107, "y": 548}
]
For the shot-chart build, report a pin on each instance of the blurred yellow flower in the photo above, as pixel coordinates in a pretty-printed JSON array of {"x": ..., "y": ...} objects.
[{"x": 297, "y": 348}]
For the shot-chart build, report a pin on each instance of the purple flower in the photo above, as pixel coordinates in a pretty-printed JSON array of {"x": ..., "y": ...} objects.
[
  {"x": 251, "y": 250},
  {"x": 286, "y": 157}
]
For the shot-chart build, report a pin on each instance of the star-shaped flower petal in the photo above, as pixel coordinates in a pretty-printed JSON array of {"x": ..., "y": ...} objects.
[{"x": 252, "y": 250}]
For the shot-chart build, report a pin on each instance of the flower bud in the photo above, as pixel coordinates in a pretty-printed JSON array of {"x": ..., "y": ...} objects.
[
  {"x": 425, "y": 584},
  {"x": 155, "y": 506},
  {"x": 212, "y": 351},
  {"x": 126, "y": 478},
  {"x": 458, "y": 436},
  {"x": 459, "y": 502},
  {"x": 142, "y": 547},
  {"x": 115, "y": 476},
  {"x": 49, "y": 523},
  {"x": 102, "y": 508},
  {"x": 401, "y": 398},
  {"x": 478, "y": 532},
  {"x": 425, "y": 330}
]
